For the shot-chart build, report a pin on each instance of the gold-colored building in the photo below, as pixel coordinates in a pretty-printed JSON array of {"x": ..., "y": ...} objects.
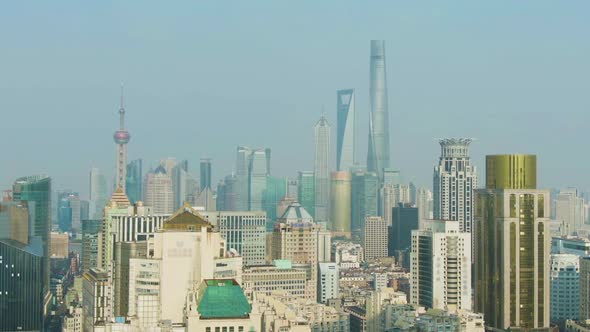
[
  {"x": 340, "y": 203},
  {"x": 512, "y": 245}
]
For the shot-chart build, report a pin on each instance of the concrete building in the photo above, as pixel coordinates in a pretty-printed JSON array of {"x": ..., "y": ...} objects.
[
  {"x": 512, "y": 245},
  {"x": 242, "y": 193},
  {"x": 441, "y": 266},
  {"x": 569, "y": 210},
  {"x": 378, "y": 151},
  {"x": 157, "y": 191},
  {"x": 97, "y": 298},
  {"x": 243, "y": 231},
  {"x": 60, "y": 245},
  {"x": 340, "y": 204},
  {"x": 321, "y": 169},
  {"x": 455, "y": 179},
  {"x": 345, "y": 140},
  {"x": 74, "y": 320},
  {"x": 281, "y": 276},
  {"x": 328, "y": 282},
  {"x": 283, "y": 312},
  {"x": 295, "y": 238},
  {"x": 425, "y": 205},
  {"x": 186, "y": 251},
  {"x": 565, "y": 287},
  {"x": 374, "y": 237},
  {"x": 14, "y": 221}
]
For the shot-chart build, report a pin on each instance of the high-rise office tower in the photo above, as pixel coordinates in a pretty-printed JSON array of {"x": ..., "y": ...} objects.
[
  {"x": 295, "y": 238},
  {"x": 322, "y": 169},
  {"x": 364, "y": 191},
  {"x": 22, "y": 286},
  {"x": 36, "y": 191},
  {"x": 121, "y": 138},
  {"x": 441, "y": 266},
  {"x": 565, "y": 287},
  {"x": 276, "y": 189},
  {"x": 340, "y": 201},
  {"x": 97, "y": 297},
  {"x": 205, "y": 169},
  {"x": 345, "y": 139},
  {"x": 227, "y": 193},
  {"x": 90, "y": 243},
  {"x": 179, "y": 181},
  {"x": 424, "y": 203},
  {"x": 14, "y": 221},
  {"x": 404, "y": 220},
  {"x": 306, "y": 191},
  {"x": 512, "y": 245},
  {"x": 158, "y": 191},
  {"x": 258, "y": 173},
  {"x": 328, "y": 282},
  {"x": 98, "y": 193},
  {"x": 242, "y": 193},
  {"x": 243, "y": 231},
  {"x": 68, "y": 211},
  {"x": 569, "y": 210},
  {"x": 374, "y": 237},
  {"x": 455, "y": 179},
  {"x": 134, "y": 180},
  {"x": 378, "y": 152}
]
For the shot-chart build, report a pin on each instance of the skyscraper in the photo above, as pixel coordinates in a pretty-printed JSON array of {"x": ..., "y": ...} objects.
[
  {"x": 158, "y": 191},
  {"x": 455, "y": 179},
  {"x": 36, "y": 191},
  {"x": 374, "y": 237},
  {"x": 205, "y": 169},
  {"x": 68, "y": 211},
  {"x": 378, "y": 152},
  {"x": 242, "y": 197},
  {"x": 134, "y": 181},
  {"x": 276, "y": 189},
  {"x": 569, "y": 210},
  {"x": 258, "y": 177},
  {"x": 340, "y": 199},
  {"x": 98, "y": 193},
  {"x": 322, "y": 169},
  {"x": 512, "y": 245},
  {"x": 345, "y": 121},
  {"x": 441, "y": 266},
  {"x": 121, "y": 138},
  {"x": 364, "y": 203},
  {"x": 565, "y": 287},
  {"x": 306, "y": 191},
  {"x": 179, "y": 181}
]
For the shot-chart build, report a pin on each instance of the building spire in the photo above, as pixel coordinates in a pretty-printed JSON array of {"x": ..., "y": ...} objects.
[{"x": 122, "y": 109}]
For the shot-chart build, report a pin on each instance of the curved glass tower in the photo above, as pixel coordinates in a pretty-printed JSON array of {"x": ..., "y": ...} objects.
[{"x": 378, "y": 152}]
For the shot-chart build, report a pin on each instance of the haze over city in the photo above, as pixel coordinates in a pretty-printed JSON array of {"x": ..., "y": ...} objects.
[{"x": 202, "y": 78}]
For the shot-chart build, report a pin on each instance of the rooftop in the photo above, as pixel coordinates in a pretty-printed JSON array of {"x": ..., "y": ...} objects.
[
  {"x": 186, "y": 219},
  {"x": 222, "y": 298}
]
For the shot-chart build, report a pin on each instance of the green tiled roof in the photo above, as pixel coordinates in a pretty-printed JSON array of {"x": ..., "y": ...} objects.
[{"x": 222, "y": 299}]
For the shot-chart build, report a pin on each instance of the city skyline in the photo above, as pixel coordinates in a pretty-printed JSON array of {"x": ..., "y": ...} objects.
[{"x": 430, "y": 85}]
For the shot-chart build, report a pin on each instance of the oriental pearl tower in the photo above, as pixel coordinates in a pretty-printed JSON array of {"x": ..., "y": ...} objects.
[{"x": 121, "y": 138}]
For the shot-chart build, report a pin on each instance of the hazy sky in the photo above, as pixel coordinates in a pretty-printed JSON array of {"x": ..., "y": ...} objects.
[{"x": 201, "y": 78}]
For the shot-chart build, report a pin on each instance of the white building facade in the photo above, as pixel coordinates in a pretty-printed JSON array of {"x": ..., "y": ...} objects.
[{"x": 441, "y": 266}]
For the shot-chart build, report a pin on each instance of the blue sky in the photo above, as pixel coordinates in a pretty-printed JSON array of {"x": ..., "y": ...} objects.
[{"x": 202, "y": 77}]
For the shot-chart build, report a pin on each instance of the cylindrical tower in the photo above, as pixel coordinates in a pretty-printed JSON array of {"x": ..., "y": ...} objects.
[
  {"x": 340, "y": 198},
  {"x": 511, "y": 171}
]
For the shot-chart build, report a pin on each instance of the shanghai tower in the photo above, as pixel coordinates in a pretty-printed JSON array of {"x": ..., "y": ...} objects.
[{"x": 378, "y": 152}]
